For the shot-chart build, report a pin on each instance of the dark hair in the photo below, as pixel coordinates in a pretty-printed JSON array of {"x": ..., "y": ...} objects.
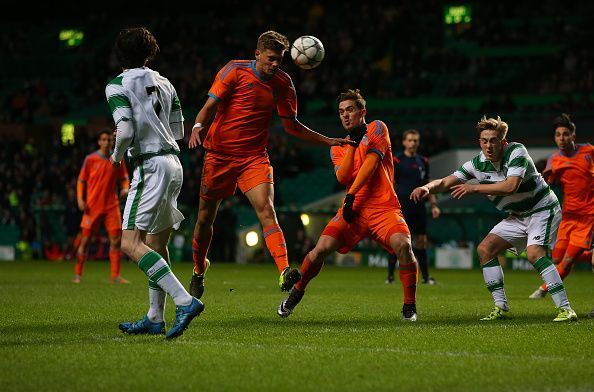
[
  {"x": 410, "y": 132},
  {"x": 354, "y": 95},
  {"x": 104, "y": 132},
  {"x": 273, "y": 41},
  {"x": 134, "y": 47},
  {"x": 564, "y": 121}
]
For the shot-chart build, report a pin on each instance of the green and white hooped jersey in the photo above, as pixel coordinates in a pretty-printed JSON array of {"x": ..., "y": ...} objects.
[
  {"x": 150, "y": 102},
  {"x": 532, "y": 196}
]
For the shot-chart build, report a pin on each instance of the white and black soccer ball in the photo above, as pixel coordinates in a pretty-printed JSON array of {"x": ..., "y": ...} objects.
[{"x": 307, "y": 52}]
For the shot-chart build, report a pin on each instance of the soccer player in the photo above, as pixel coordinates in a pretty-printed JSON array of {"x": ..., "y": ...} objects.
[
  {"x": 370, "y": 208},
  {"x": 411, "y": 170},
  {"x": 573, "y": 168},
  {"x": 244, "y": 95},
  {"x": 149, "y": 120},
  {"x": 506, "y": 174},
  {"x": 101, "y": 204}
]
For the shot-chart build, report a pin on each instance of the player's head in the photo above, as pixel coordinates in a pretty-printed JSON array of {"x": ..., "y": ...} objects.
[
  {"x": 411, "y": 139},
  {"x": 564, "y": 132},
  {"x": 104, "y": 139},
  {"x": 492, "y": 133},
  {"x": 351, "y": 108},
  {"x": 270, "y": 50},
  {"x": 135, "y": 47}
]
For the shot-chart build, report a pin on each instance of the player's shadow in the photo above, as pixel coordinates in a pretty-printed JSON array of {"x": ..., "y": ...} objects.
[{"x": 40, "y": 334}]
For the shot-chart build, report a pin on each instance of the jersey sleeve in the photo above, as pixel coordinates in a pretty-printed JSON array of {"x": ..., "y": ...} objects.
[
  {"x": 379, "y": 140},
  {"x": 465, "y": 172},
  {"x": 336, "y": 155},
  {"x": 287, "y": 101},
  {"x": 518, "y": 162},
  {"x": 83, "y": 176},
  {"x": 119, "y": 103},
  {"x": 176, "y": 117},
  {"x": 224, "y": 82}
]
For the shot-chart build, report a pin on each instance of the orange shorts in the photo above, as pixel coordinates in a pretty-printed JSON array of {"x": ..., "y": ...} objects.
[
  {"x": 221, "y": 174},
  {"x": 378, "y": 224},
  {"x": 112, "y": 219},
  {"x": 576, "y": 229}
]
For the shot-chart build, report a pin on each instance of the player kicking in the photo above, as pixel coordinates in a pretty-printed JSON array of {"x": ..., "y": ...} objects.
[
  {"x": 370, "y": 208},
  {"x": 149, "y": 120},
  {"x": 507, "y": 175},
  {"x": 101, "y": 204},
  {"x": 573, "y": 168},
  {"x": 410, "y": 171},
  {"x": 243, "y": 96}
]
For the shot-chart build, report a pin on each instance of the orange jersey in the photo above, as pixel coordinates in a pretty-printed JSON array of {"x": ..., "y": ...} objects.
[
  {"x": 378, "y": 192},
  {"x": 244, "y": 113},
  {"x": 101, "y": 180},
  {"x": 575, "y": 173}
]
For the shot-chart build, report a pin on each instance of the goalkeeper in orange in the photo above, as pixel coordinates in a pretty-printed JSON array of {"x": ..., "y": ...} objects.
[
  {"x": 370, "y": 208},
  {"x": 97, "y": 197}
]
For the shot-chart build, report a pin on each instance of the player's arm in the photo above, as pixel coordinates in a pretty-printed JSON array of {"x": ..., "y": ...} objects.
[
  {"x": 200, "y": 128},
  {"x": 436, "y": 186},
  {"x": 344, "y": 170},
  {"x": 81, "y": 185},
  {"x": 124, "y": 137},
  {"x": 295, "y": 128},
  {"x": 503, "y": 188},
  {"x": 365, "y": 172}
]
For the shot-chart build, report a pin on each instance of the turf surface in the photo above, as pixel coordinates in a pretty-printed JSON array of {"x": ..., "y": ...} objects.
[{"x": 346, "y": 335}]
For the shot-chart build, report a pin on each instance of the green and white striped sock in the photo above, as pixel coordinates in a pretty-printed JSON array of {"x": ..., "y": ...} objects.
[
  {"x": 493, "y": 275},
  {"x": 157, "y": 269},
  {"x": 551, "y": 277}
]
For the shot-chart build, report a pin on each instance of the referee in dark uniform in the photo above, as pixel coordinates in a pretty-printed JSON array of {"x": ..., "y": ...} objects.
[{"x": 411, "y": 171}]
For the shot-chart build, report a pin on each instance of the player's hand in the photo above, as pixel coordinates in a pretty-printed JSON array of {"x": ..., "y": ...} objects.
[
  {"x": 113, "y": 162},
  {"x": 347, "y": 208},
  {"x": 195, "y": 139},
  {"x": 356, "y": 134},
  {"x": 461, "y": 190},
  {"x": 124, "y": 193},
  {"x": 82, "y": 205},
  {"x": 418, "y": 194},
  {"x": 435, "y": 211},
  {"x": 335, "y": 141}
]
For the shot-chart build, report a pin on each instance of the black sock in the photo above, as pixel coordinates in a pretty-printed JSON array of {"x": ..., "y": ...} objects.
[
  {"x": 391, "y": 266},
  {"x": 421, "y": 255}
]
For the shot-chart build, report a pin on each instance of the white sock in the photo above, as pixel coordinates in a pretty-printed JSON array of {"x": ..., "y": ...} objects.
[
  {"x": 493, "y": 275},
  {"x": 157, "y": 299},
  {"x": 155, "y": 267},
  {"x": 554, "y": 283}
]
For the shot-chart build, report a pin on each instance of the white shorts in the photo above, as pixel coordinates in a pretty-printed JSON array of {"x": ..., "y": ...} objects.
[
  {"x": 151, "y": 205},
  {"x": 539, "y": 228}
]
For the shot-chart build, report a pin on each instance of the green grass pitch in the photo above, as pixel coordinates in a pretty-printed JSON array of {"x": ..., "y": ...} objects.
[{"x": 346, "y": 335}]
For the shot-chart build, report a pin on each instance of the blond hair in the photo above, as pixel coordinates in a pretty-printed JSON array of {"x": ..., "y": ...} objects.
[{"x": 492, "y": 124}]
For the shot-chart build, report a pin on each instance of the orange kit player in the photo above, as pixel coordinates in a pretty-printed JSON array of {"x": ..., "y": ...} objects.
[
  {"x": 244, "y": 95},
  {"x": 101, "y": 180},
  {"x": 573, "y": 168},
  {"x": 370, "y": 208}
]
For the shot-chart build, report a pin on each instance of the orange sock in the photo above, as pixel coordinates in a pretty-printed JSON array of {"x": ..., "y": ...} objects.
[
  {"x": 408, "y": 277},
  {"x": 585, "y": 257},
  {"x": 309, "y": 271},
  {"x": 115, "y": 257},
  {"x": 275, "y": 242},
  {"x": 200, "y": 245},
  {"x": 80, "y": 263}
]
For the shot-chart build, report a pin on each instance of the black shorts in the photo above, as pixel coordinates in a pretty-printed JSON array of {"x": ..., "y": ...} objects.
[{"x": 416, "y": 219}]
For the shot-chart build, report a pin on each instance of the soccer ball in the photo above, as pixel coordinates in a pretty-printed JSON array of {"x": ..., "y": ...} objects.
[{"x": 307, "y": 52}]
